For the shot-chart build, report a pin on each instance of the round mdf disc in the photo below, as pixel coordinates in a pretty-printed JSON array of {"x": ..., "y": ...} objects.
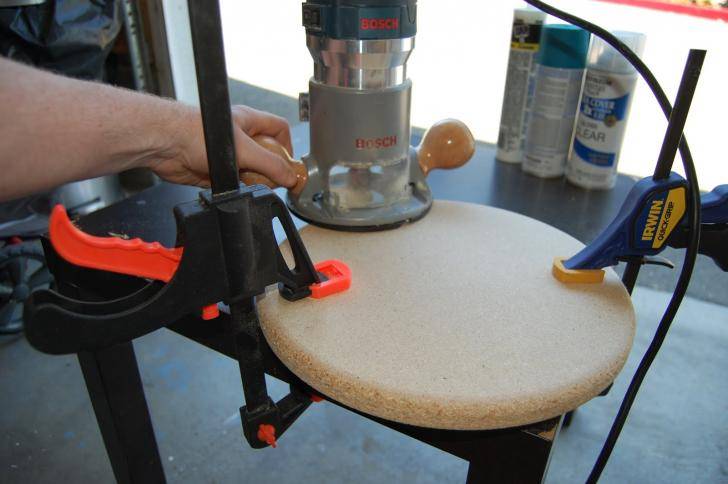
[{"x": 454, "y": 322}]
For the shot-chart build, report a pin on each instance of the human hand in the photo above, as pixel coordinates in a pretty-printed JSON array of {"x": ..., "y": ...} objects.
[{"x": 184, "y": 161}]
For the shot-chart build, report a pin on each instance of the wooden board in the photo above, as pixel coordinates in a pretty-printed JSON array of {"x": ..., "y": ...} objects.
[{"x": 454, "y": 322}]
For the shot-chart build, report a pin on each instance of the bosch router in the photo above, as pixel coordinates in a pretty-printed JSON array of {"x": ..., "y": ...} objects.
[{"x": 362, "y": 172}]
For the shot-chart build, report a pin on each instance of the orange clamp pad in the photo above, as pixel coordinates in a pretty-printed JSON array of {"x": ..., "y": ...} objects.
[
  {"x": 338, "y": 277},
  {"x": 132, "y": 257},
  {"x": 267, "y": 434}
]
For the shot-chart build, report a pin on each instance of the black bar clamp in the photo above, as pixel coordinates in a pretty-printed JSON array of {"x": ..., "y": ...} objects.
[
  {"x": 225, "y": 251},
  {"x": 61, "y": 324},
  {"x": 58, "y": 324}
]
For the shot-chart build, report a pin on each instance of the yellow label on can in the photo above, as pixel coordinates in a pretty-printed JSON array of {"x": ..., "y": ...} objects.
[{"x": 524, "y": 46}]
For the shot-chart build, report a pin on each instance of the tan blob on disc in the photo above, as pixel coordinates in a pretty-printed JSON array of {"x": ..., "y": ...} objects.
[{"x": 454, "y": 322}]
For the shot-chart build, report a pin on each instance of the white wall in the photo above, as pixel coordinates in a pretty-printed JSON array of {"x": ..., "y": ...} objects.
[{"x": 181, "y": 56}]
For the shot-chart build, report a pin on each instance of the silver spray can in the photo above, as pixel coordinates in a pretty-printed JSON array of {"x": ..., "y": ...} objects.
[
  {"x": 602, "y": 120},
  {"x": 518, "y": 93},
  {"x": 558, "y": 81}
]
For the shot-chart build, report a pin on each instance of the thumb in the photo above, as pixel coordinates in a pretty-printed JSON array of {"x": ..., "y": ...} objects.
[{"x": 253, "y": 157}]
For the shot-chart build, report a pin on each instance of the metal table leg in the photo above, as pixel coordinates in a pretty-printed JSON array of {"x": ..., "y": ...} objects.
[
  {"x": 514, "y": 457},
  {"x": 115, "y": 387}
]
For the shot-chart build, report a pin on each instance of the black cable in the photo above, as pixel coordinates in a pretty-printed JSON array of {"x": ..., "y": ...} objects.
[{"x": 693, "y": 226}]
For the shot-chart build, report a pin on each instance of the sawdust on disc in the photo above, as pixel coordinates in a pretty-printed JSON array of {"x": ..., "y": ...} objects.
[{"x": 454, "y": 322}]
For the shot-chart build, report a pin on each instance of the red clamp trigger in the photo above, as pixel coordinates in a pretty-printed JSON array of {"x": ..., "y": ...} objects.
[
  {"x": 335, "y": 277},
  {"x": 132, "y": 257}
]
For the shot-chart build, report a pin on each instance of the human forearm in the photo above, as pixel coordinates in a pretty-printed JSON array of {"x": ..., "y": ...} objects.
[{"x": 57, "y": 129}]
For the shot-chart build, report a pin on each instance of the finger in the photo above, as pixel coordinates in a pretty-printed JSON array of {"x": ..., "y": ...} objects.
[
  {"x": 253, "y": 157},
  {"x": 261, "y": 122},
  {"x": 254, "y": 122}
]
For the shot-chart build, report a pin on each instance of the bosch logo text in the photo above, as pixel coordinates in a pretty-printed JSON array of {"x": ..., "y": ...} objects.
[
  {"x": 379, "y": 23},
  {"x": 375, "y": 143}
]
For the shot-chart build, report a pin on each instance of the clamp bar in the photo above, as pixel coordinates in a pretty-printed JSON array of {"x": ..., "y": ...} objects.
[
  {"x": 679, "y": 113},
  {"x": 672, "y": 141},
  {"x": 214, "y": 97}
]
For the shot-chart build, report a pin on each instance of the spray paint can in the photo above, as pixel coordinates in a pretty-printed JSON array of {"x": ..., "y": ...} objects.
[
  {"x": 518, "y": 94},
  {"x": 559, "y": 74},
  {"x": 605, "y": 101}
]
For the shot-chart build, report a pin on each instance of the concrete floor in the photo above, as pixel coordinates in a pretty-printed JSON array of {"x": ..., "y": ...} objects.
[{"x": 677, "y": 432}]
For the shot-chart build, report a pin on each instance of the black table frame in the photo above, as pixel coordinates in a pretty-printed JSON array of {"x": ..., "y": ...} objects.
[
  {"x": 112, "y": 375},
  {"x": 518, "y": 455}
]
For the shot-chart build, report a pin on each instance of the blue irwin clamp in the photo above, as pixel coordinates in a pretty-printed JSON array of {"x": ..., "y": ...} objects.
[
  {"x": 713, "y": 229},
  {"x": 714, "y": 205},
  {"x": 650, "y": 219}
]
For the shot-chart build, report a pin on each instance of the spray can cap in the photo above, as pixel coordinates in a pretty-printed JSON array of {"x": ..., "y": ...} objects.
[
  {"x": 529, "y": 15},
  {"x": 563, "y": 46},
  {"x": 604, "y": 57}
]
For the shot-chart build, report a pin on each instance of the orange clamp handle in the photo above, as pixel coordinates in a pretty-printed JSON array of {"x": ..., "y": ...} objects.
[{"x": 133, "y": 257}]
